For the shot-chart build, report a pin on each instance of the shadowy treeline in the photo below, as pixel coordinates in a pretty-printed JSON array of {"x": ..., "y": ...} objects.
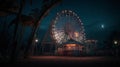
[{"x": 111, "y": 45}]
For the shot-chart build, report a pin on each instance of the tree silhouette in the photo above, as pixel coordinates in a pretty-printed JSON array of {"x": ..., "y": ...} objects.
[
  {"x": 15, "y": 7},
  {"x": 4, "y": 38},
  {"x": 15, "y": 43},
  {"x": 8, "y": 7}
]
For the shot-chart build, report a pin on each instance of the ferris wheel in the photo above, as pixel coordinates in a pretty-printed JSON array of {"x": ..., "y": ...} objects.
[{"x": 65, "y": 26}]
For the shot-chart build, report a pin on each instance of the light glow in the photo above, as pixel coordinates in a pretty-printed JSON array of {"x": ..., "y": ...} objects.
[
  {"x": 36, "y": 40},
  {"x": 115, "y": 42},
  {"x": 102, "y": 26},
  {"x": 76, "y": 34},
  {"x": 71, "y": 45}
]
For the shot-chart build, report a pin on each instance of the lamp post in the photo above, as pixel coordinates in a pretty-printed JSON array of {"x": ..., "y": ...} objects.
[
  {"x": 34, "y": 47},
  {"x": 116, "y": 47}
]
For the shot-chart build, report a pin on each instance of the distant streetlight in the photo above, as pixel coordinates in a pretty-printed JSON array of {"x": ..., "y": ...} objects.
[
  {"x": 116, "y": 48},
  {"x": 115, "y": 42},
  {"x": 36, "y": 40}
]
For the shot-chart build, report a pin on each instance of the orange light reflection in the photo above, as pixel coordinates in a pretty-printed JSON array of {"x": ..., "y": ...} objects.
[{"x": 71, "y": 45}]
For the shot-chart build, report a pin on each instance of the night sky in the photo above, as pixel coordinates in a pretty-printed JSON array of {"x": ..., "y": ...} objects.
[
  {"x": 100, "y": 17},
  {"x": 93, "y": 14}
]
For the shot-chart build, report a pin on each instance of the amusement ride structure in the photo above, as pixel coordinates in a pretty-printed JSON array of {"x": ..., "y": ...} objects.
[
  {"x": 67, "y": 34},
  {"x": 67, "y": 25}
]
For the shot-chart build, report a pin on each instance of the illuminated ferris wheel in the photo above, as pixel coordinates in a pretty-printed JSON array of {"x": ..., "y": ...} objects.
[{"x": 65, "y": 26}]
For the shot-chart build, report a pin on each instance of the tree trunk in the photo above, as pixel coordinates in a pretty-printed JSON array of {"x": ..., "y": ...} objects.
[{"x": 15, "y": 44}]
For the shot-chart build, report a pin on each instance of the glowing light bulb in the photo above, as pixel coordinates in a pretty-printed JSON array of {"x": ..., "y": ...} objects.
[
  {"x": 36, "y": 40},
  {"x": 115, "y": 42},
  {"x": 76, "y": 34}
]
